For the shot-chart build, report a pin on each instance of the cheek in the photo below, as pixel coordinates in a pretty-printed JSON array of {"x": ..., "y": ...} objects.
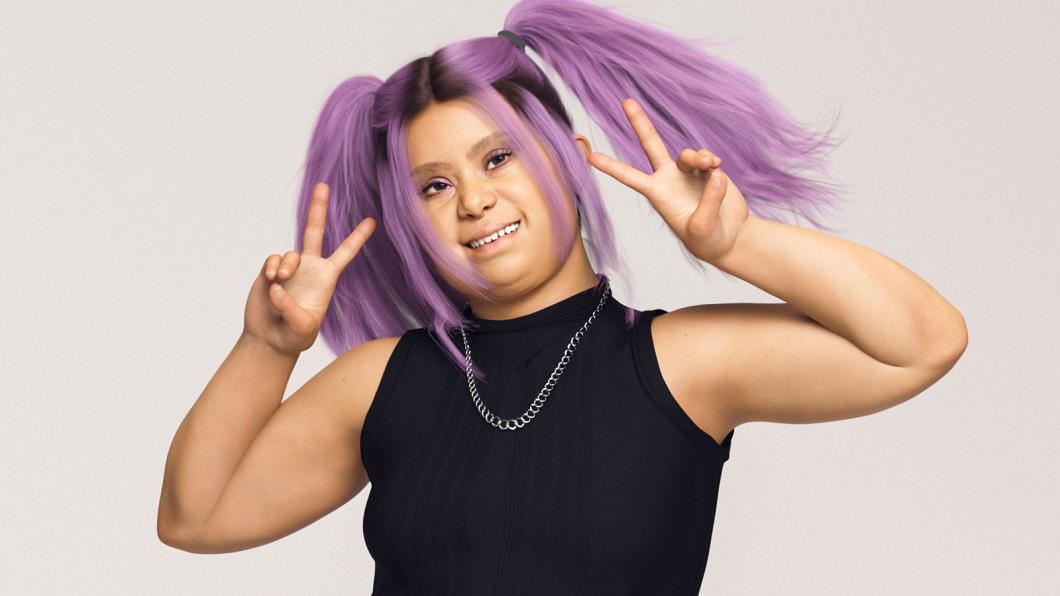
[
  {"x": 441, "y": 232},
  {"x": 438, "y": 224}
]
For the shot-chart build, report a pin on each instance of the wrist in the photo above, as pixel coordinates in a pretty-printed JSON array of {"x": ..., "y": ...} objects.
[
  {"x": 741, "y": 245},
  {"x": 260, "y": 348}
]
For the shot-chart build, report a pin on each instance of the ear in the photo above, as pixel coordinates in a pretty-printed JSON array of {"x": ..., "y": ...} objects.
[{"x": 586, "y": 148}]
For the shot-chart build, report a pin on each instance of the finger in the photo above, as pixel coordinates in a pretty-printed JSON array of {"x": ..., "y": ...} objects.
[
  {"x": 712, "y": 161},
  {"x": 707, "y": 212},
  {"x": 345, "y": 252},
  {"x": 688, "y": 161},
  {"x": 649, "y": 139},
  {"x": 313, "y": 237},
  {"x": 700, "y": 160},
  {"x": 621, "y": 171},
  {"x": 271, "y": 264},
  {"x": 288, "y": 265},
  {"x": 264, "y": 271},
  {"x": 298, "y": 317}
]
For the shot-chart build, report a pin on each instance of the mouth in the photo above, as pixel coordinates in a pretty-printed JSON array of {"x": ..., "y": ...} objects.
[{"x": 495, "y": 241}]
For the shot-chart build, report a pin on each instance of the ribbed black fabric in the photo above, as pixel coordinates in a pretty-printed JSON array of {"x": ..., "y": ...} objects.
[{"x": 611, "y": 489}]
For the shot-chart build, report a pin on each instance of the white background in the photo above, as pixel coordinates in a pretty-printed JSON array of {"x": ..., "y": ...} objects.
[{"x": 150, "y": 155}]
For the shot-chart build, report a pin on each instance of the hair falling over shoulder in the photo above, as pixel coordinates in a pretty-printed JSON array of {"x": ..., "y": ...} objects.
[{"x": 695, "y": 99}]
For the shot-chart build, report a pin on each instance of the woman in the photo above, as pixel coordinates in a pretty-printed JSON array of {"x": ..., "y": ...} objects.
[{"x": 524, "y": 431}]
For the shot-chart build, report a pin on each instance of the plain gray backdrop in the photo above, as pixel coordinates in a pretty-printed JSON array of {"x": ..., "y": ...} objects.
[{"x": 151, "y": 154}]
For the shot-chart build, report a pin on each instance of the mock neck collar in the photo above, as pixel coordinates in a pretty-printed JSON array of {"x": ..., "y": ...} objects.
[{"x": 575, "y": 306}]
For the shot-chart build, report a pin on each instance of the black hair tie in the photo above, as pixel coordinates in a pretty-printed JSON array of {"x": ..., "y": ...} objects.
[{"x": 512, "y": 37}]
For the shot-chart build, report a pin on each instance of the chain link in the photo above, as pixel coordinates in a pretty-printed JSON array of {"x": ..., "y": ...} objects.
[{"x": 546, "y": 391}]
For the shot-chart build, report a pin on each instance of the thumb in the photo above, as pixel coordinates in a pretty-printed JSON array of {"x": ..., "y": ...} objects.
[
  {"x": 706, "y": 215},
  {"x": 298, "y": 317}
]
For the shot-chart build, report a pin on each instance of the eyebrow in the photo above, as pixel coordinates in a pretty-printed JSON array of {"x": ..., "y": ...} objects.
[{"x": 477, "y": 148}]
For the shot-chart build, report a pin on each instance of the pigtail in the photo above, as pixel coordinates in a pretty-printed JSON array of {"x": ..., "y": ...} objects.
[
  {"x": 370, "y": 294},
  {"x": 694, "y": 98}
]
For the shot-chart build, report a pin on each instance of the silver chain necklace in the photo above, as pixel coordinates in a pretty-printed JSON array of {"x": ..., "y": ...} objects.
[{"x": 539, "y": 401}]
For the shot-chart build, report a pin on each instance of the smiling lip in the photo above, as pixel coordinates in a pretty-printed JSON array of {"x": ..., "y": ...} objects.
[
  {"x": 485, "y": 233},
  {"x": 496, "y": 245}
]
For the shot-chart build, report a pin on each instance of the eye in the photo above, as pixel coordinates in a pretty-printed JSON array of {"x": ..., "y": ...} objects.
[
  {"x": 496, "y": 154},
  {"x": 489, "y": 159},
  {"x": 430, "y": 185}
]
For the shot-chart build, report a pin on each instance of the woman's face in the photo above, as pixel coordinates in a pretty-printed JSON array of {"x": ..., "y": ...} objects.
[{"x": 471, "y": 183}]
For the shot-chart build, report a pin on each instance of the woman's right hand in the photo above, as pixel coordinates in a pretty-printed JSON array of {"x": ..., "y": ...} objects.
[{"x": 288, "y": 300}]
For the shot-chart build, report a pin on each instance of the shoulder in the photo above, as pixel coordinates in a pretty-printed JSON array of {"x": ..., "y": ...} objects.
[
  {"x": 692, "y": 346},
  {"x": 715, "y": 330},
  {"x": 704, "y": 344},
  {"x": 684, "y": 336},
  {"x": 359, "y": 373}
]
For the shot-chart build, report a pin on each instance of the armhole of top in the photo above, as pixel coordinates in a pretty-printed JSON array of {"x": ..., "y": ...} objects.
[
  {"x": 391, "y": 373},
  {"x": 647, "y": 364}
]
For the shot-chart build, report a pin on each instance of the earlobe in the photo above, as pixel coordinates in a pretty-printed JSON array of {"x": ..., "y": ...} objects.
[{"x": 585, "y": 146}]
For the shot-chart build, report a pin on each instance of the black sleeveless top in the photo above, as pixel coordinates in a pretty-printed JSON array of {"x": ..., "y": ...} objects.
[{"x": 611, "y": 488}]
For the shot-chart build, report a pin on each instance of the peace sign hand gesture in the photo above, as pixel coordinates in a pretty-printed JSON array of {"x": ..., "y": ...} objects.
[
  {"x": 291, "y": 294},
  {"x": 706, "y": 216}
]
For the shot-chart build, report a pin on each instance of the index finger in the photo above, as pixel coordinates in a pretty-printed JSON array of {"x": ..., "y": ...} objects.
[
  {"x": 348, "y": 248},
  {"x": 649, "y": 139}
]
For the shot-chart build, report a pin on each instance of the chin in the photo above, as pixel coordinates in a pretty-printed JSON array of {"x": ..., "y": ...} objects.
[
  {"x": 510, "y": 276},
  {"x": 512, "y": 272}
]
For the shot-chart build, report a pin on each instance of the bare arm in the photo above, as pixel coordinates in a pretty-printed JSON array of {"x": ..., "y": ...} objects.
[
  {"x": 857, "y": 333},
  {"x": 881, "y": 307},
  {"x": 237, "y": 402},
  {"x": 239, "y": 451},
  {"x": 302, "y": 462}
]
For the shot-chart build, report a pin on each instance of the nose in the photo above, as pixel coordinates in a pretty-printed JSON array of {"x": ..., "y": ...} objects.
[{"x": 476, "y": 198}]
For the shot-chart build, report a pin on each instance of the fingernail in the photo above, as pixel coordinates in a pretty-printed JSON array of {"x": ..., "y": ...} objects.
[{"x": 715, "y": 178}]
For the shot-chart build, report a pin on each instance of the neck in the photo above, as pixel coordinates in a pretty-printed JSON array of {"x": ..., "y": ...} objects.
[{"x": 576, "y": 275}]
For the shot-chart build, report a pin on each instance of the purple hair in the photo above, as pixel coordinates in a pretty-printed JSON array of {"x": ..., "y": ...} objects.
[{"x": 694, "y": 99}]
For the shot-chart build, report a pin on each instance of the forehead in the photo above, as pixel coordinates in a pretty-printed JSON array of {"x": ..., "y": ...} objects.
[{"x": 445, "y": 131}]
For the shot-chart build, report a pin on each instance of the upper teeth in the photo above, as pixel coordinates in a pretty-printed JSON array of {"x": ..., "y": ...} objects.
[{"x": 501, "y": 232}]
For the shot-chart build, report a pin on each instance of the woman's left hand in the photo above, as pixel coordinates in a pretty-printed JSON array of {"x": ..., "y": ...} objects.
[{"x": 706, "y": 217}]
